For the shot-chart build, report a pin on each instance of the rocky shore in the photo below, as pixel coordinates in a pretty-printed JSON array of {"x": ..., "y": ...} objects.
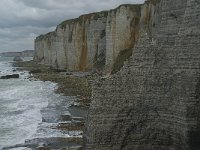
[
  {"x": 69, "y": 83},
  {"x": 64, "y": 118}
]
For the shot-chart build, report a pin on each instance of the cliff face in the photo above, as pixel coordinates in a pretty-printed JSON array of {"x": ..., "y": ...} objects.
[
  {"x": 153, "y": 102},
  {"x": 90, "y": 42}
]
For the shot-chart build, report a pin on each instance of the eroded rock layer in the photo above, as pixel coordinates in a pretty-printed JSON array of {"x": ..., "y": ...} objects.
[
  {"x": 90, "y": 42},
  {"x": 153, "y": 102}
]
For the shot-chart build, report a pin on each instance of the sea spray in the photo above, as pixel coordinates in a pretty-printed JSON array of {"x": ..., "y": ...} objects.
[{"x": 21, "y": 101}]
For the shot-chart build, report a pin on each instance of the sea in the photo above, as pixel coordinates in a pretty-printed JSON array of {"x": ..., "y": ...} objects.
[{"x": 21, "y": 102}]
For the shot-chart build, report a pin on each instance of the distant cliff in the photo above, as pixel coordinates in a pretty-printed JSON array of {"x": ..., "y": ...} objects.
[
  {"x": 153, "y": 102},
  {"x": 25, "y": 53},
  {"x": 92, "y": 41}
]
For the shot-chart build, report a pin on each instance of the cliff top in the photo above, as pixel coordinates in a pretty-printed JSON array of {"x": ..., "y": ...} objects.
[
  {"x": 97, "y": 15},
  {"x": 151, "y": 1},
  {"x": 47, "y": 35}
]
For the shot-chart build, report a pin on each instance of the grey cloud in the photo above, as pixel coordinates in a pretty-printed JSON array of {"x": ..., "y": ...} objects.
[
  {"x": 20, "y": 38},
  {"x": 47, "y": 4},
  {"x": 23, "y": 20}
]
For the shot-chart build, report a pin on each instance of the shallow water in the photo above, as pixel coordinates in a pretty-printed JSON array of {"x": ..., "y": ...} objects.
[{"x": 21, "y": 102}]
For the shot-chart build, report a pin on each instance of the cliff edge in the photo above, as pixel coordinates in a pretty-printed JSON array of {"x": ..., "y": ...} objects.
[
  {"x": 153, "y": 102},
  {"x": 92, "y": 41}
]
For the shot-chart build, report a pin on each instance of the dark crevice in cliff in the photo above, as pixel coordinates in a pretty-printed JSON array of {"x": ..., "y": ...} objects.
[
  {"x": 70, "y": 37},
  {"x": 83, "y": 56},
  {"x": 99, "y": 61},
  {"x": 121, "y": 58},
  {"x": 103, "y": 34}
]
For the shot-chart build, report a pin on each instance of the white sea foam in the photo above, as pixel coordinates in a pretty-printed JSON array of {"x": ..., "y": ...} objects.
[{"x": 20, "y": 103}]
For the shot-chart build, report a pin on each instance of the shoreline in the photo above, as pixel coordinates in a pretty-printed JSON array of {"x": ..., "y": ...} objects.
[
  {"x": 76, "y": 84},
  {"x": 73, "y": 86}
]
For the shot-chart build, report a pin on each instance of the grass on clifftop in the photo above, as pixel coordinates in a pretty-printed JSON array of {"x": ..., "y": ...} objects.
[
  {"x": 84, "y": 17},
  {"x": 119, "y": 62},
  {"x": 101, "y": 14},
  {"x": 64, "y": 23}
]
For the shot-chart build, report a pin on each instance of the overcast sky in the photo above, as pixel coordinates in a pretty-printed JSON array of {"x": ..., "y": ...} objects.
[{"x": 22, "y": 20}]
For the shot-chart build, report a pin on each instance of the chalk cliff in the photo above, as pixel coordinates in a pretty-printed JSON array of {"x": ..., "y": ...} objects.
[
  {"x": 153, "y": 102},
  {"x": 90, "y": 42}
]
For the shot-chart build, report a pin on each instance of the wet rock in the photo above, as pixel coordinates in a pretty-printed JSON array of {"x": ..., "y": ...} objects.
[
  {"x": 68, "y": 73},
  {"x": 10, "y": 76},
  {"x": 17, "y": 58},
  {"x": 78, "y": 119},
  {"x": 49, "y": 143},
  {"x": 22, "y": 73},
  {"x": 69, "y": 126},
  {"x": 65, "y": 118},
  {"x": 53, "y": 143},
  {"x": 42, "y": 146},
  {"x": 35, "y": 71}
]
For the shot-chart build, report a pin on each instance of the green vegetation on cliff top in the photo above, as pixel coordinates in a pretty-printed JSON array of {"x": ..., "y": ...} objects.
[
  {"x": 83, "y": 18},
  {"x": 97, "y": 15}
]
